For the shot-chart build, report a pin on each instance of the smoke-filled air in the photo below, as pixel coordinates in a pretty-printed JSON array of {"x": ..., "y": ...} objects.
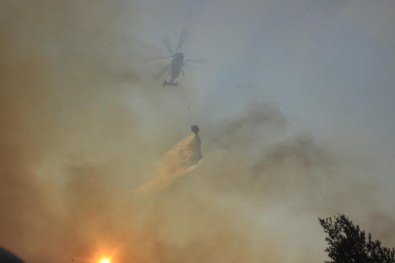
[{"x": 102, "y": 159}]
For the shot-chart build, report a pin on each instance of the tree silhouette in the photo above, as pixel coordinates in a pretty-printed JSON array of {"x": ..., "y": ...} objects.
[
  {"x": 348, "y": 244},
  {"x": 7, "y": 257}
]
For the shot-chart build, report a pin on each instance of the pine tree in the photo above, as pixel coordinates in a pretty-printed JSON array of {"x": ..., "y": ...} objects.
[{"x": 348, "y": 244}]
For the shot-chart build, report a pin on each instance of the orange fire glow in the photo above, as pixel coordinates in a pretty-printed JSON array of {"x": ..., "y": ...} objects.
[{"x": 104, "y": 260}]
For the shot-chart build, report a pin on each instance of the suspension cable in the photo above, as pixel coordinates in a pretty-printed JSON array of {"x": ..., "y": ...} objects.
[{"x": 187, "y": 103}]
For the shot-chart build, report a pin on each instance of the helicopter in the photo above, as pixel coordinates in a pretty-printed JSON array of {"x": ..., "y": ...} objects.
[{"x": 177, "y": 63}]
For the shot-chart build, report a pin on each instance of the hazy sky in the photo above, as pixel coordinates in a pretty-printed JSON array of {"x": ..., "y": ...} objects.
[
  {"x": 295, "y": 107},
  {"x": 327, "y": 65}
]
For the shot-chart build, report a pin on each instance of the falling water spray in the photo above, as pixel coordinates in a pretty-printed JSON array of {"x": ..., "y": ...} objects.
[{"x": 183, "y": 158}]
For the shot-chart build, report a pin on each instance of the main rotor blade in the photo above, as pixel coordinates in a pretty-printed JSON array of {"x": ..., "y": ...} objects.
[
  {"x": 188, "y": 67},
  {"x": 159, "y": 57},
  {"x": 196, "y": 60},
  {"x": 156, "y": 59},
  {"x": 162, "y": 72},
  {"x": 183, "y": 37},
  {"x": 166, "y": 43}
]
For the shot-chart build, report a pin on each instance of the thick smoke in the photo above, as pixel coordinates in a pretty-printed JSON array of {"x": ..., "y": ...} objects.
[{"x": 80, "y": 129}]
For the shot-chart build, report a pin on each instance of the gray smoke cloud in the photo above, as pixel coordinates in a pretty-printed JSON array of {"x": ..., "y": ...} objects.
[{"x": 83, "y": 126}]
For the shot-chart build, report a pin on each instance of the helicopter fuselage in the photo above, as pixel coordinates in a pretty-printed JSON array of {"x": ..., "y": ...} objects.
[{"x": 176, "y": 66}]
